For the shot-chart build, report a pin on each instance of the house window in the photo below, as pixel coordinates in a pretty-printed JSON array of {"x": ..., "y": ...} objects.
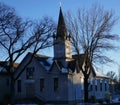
[
  {"x": 95, "y": 87},
  {"x": 19, "y": 86},
  {"x": 55, "y": 84},
  {"x": 91, "y": 87},
  {"x": 42, "y": 84},
  {"x": 100, "y": 86},
  {"x": 105, "y": 87},
  {"x": 30, "y": 73}
]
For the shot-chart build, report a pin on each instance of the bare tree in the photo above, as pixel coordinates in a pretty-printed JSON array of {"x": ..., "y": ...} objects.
[
  {"x": 114, "y": 82},
  {"x": 112, "y": 75},
  {"x": 18, "y": 36},
  {"x": 119, "y": 74},
  {"x": 118, "y": 79},
  {"x": 91, "y": 36}
]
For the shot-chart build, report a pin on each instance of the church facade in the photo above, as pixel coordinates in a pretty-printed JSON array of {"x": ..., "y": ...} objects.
[
  {"x": 51, "y": 79},
  {"x": 56, "y": 79}
]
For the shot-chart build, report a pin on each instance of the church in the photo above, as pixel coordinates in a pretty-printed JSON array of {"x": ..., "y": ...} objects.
[
  {"x": 51, "y": 79},
  {"x": 57, "y": 79}
]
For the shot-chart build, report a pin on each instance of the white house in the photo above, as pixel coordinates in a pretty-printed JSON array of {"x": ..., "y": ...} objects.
[{"x": 99, "y": 85}]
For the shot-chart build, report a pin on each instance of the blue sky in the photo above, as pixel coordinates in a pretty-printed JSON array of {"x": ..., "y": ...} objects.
[{"x": 36, "y": 9}]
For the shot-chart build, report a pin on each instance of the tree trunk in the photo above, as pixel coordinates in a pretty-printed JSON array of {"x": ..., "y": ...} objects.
[
  {"x": 12, "y": 91},
  {"x": 85, "y": 89}
]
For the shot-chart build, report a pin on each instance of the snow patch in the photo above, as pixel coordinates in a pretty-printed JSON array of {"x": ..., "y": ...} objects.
[
  {"x": 64, "y": 70},
  {"x": 47, "y": 63}
]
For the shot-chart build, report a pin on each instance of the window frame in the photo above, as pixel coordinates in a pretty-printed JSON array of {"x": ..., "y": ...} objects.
[
  {"x": 105, "y": 86},
  {"x": 56, "y": 83},
  {"x": 42, "y": 84},
  {"x": 19, "y": 84},
  {"x": 30, "y": 72},
  {"x": 101, "y": 88}
]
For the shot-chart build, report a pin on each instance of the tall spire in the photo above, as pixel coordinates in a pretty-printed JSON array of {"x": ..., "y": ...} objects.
[
  {"x": 62, "y": 48},
  {"x": 61, "y": 28}
]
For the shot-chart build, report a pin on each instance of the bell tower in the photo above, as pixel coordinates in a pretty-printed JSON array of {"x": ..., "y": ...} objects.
[{"x": 62, "y": 44}]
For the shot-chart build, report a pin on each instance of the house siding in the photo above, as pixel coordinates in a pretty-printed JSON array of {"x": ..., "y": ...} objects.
[
  {"x": 75, "y": 84},
  {"x": 48, "y": 94},
  {"x": 70, "y": 85},
  {"x": 99, "y": 94}
]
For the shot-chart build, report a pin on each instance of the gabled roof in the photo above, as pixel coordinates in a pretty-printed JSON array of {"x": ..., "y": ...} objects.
[
  {"x": 48, "y": 62},
  {"x": 95, "y": 72},
  {"x": 45, "y": 61},
  {"x": 41, "y": 59},
  {"x": 67, "y": 67},
  {"x": 99, "y": 74}
]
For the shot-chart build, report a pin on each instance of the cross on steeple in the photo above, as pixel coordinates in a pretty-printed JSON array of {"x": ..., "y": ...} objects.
[{"x": 60, "y": 4}]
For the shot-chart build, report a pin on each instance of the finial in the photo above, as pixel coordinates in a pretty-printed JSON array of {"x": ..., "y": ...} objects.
[{"x": 60, "y": 4}]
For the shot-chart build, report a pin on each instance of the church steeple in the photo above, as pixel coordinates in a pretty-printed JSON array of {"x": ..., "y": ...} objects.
[
  {"x": 62, "y": 47},
  {"x": 61, "y": 28}
]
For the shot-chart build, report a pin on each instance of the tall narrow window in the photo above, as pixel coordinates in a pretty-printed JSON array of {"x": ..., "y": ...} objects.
[
  {"x": 105, "y": 87},
  {"x": 30, "y": 73},
  {"x": 101, "y": 86},
  {"x": 91, "y": 87},
  {"x": 19, "y": 86},
  {"x": 42, "y": 84},
  {"x": 95, "y": 87},
  {"x": 55, "y": 84}
]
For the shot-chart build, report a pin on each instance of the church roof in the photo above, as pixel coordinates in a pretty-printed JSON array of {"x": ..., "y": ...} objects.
[
  {"x": 67, "y": 67},
  {"x": 96, "y": 73},
  {"x": 47, "y": 63},
  {"x": 99, "y": 74},
  {"x": 61, "y": 28}
]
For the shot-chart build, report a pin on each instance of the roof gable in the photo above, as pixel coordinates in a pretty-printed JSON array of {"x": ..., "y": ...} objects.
[
  {"x": 99, "y": 74},
  {"x": 64, "y": 67},
  {"x": 42, "y": 60},
  {"x": 46, "y": 63},
  {"x": 95, "y": 73}
]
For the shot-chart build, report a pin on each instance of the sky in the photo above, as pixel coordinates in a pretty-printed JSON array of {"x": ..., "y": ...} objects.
[{"x": 36, "y": 9}]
